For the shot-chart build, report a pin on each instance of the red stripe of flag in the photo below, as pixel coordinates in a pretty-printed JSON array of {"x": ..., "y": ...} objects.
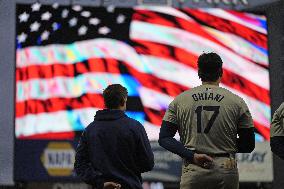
[
  {"x": 154, "y": 116},
  {"x": 229, "y": 26},
  {"x": 245, "y": 17},
  {"x": 50, "y": 136},
  {"x": 33, "y": 106},
  {"x": 67, "y": 70},
  {"x": 264, "y": 131},
  {"x": 157, "y": 84}
]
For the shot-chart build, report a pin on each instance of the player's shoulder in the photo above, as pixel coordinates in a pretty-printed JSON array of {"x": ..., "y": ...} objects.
[
  {"x": 132, "y": 121},
  {"x": 234, "y": 98},
  {"x": 134, "y": 126},
  {"x": 280, "y": 109},
  {"x": 183, "y": 95},
  {"x": 228, "y": 92}
]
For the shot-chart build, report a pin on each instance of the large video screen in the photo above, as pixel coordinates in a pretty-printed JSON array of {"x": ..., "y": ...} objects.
[{"x": 67, "y": 55}]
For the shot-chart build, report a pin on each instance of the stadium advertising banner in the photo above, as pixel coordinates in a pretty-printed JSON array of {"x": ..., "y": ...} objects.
[
  {"x": 167, "y": 165},
  {"x": 44, "y": 160},
  {"x": 66, "y": 56},
  {"x": 256, "y": 166}
]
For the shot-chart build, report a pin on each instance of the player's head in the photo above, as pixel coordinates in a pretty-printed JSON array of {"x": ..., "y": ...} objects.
[
  {"x": 115, "y": 97},
  {"x": 210, "y": 67}
]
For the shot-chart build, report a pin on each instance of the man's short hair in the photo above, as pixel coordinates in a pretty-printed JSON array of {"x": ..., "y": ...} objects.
[
  {"x": 209, "y": 67},
  {"x": 114, "y": 96}
]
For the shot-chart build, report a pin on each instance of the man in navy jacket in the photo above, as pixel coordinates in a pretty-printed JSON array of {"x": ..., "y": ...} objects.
[{"x": 114, "y": 149}]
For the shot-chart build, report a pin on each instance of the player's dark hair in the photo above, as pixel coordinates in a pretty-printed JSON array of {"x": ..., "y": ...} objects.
[
  {"x": 209, "y": 67},
  {"x": 114, "y": 96}
]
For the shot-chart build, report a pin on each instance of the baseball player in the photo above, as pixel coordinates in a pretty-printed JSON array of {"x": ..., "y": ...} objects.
[
  {"x": 214, "y": 124},
  {"x": 277, "y": 132}
]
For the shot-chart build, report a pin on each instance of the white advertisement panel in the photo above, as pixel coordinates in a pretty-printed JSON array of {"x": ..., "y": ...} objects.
[{"x": 256, "y": 166}]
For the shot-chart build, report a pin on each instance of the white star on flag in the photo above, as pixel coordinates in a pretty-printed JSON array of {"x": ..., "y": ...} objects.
[
  {"x": 24, "y": 17},
  {"x": 44, "y": 35},
  {"x": 94, "y": 21},
  {"x": 36, "y": 6},
  {"x": 73, "y": 22},
  {"x": 22, "y": 37},
  {"x": 46, "y": 16},
  {"x": 55, "y": 5},
  {"x": 104, "y": 30},
  {"x": 82, "y": 30},
  {"x": 65, "y": 13},
  {"x": 77, "y": 8},
  {"x": 110, "y": 8},
  {"x": 35, "y": 26},
  {"x": 120, "y": 19},
  {"x": 86, "y": 14}
]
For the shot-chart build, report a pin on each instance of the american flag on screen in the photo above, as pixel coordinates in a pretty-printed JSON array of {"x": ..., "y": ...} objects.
[{"x": 67, "y": 55}]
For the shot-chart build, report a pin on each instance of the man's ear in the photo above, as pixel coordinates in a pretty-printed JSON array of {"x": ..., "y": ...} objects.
[
  {"x": 122, "y": 101},
  {"x": 199, "y": 74}
]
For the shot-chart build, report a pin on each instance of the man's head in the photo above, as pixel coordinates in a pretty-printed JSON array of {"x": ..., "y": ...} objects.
[
  {"x": 115, "y": 97},
  {"x": 210, "y": 67}
]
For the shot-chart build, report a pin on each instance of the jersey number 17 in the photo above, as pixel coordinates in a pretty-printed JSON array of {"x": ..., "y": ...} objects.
[{"x": 199, "y": 110}]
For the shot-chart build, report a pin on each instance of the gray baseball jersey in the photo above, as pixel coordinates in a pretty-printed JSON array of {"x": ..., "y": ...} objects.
[
  {"x": 208, "y": 118},
  {"x": 277, "y": 125}
]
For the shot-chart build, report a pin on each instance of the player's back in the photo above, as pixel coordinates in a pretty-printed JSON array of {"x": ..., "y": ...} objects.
[{"x": 208, "y": 117}]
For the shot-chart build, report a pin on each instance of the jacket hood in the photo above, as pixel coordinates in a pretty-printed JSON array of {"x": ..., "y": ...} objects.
[{"x": 109, "y": 114}]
